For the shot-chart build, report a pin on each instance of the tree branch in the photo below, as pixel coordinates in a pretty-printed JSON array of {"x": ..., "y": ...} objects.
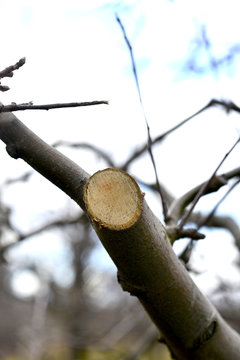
[
  {"x": 8, "y": 71},
  {"x": 219, "y": 221},
  {"x": 227, "y": 105},
  {"x": 149, "y": 138},
  {"x": 205, "y": 186},
  {"x": 30, "y": 106},
  {"x": 178, "y": 206},
  {"x": 99, "y": 152},
  {"x": 56, "y": 167}
]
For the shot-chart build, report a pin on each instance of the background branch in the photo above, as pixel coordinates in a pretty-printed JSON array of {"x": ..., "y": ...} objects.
[
  {"x": 23, "y": 143},
  {"x": 227, "y": 105},
  {"x": 99, "y": 152},
  {"x": 30, "y": 106},
  {"x": 149, "y": 139},
  {"x": 8, "y": 72}
]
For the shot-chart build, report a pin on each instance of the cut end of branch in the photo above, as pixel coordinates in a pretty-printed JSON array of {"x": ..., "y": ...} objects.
[{"x": 113, "y": 199}]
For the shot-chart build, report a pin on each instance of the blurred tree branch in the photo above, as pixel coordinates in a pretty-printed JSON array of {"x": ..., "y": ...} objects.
[
  {"x": 228, "y": 106},
  {"x": 31, "y": 106},
  {"x": 8, "y": 72}
]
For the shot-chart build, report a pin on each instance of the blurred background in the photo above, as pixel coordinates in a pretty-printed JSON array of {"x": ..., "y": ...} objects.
[{"x": 59, "y": 296}]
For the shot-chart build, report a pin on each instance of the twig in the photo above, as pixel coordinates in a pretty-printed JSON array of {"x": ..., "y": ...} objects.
[
  {"x": 21, "y": 178},
  {"x": 95, "y": 149},
  {"x": 179, "y": 205},
  {"x": 228, "y": 223},
  {"x": 30, "y": 106},
  {"x": 8, "y": 71},
  {"x": 187, "y": 252},
  {"x": 219, "y": 221},
  {"x": 203, "y": 189},
  {"x": 54, "y": 224},
  {"x": 227, "y": 105},
  {"x": 175, "y": 233},
  {"x": 211, "y": 214},
  {"x": 149, "y": 140},
  {"x": 169, "y": 198}
]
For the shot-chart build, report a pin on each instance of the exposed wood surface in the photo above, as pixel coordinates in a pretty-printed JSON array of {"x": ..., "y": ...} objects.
[{"x": 113, "y": 199}]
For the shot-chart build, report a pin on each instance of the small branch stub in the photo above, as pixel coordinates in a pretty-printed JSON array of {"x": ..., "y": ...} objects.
[{"x": 113, "y": 199}]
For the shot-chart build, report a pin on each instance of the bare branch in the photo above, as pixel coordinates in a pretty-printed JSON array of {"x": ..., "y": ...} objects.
[
  {"x": 169, "y": 198},
  {"x": 175, "y": 234},
  {"x": 149, "y": 139},
  {"x": 227, "y": 105},
  {"x": 203, "y": 189},
  {"x": 187, "y": 252},
  {"x": 21, "y": 178},
  {"x": 95, "y": 149},
  {"x": 4, "y": 88},
  {"x": 8, "y": 71},
  {"x": 177, "y": 208},
  {"x": 219, "y": 221},
  {"x": 30, "y": 106},
  {"x": 228, "y": 223},
  {"x": 23, "y": 143},
  {"x": 160, "y": 138},
  {"x": 53, "y": 224},
  {"x": 211, "y": 214}
]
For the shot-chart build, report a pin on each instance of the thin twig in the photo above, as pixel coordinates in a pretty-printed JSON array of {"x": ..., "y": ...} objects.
[
  {"x": 227, "y": 105},
  {"x": 54, "y": 224},
  {"x": 149, "y": 140},
  {"x": 8, "y": 71},
  {"x": 200, "y": 220},
  {"x": 180, "y": 204},
  {"x": 30, "y": 106},
  {"x": 211, "y": 214},
  {"x": 99, "y": 152},
  {"x": 21, "y": 178},
  {"x": 203, "y": 189},
  {"x": 48, "y": 226}
]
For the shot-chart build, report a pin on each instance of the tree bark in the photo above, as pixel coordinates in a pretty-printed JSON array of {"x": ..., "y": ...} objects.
[{"x": 149, "y": 269}]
